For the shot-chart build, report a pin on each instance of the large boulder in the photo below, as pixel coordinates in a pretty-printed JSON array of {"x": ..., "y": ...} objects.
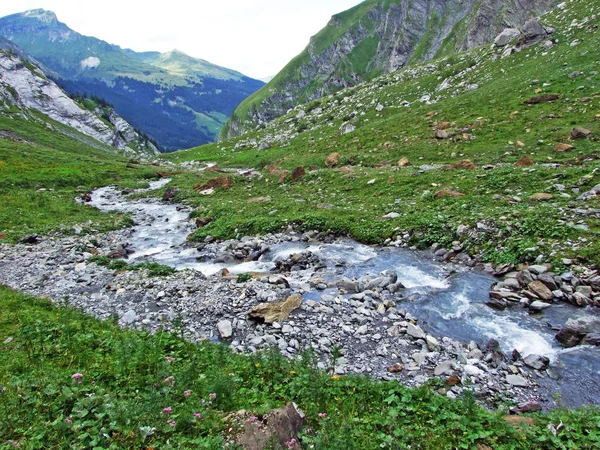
[
  {"x": 275, "y": 311},
  {"x": 506, "y": 37},
  {"x": 278, "y": 429},
  {"x": 576, "y": 331},
  {"x": 533, "y": 31}
]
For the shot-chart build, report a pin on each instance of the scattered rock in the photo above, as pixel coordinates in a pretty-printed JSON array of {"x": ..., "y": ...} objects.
[
  {"x": 538, "y": 306},
  {"x": 542, "y": 196},
  {"x": 170, "y": 194},
  {"x": 536, "y": 362},
  {"x": 542, "y": 99},
  {"x": 221, "y": 182},
  {"x": 259, "y": 200},
  {"x": 276, "y": 311},
  {"x": 332, "y": 160},
  {"x": 533, "y": 32},
  {"x": 563, "y": 147},
  {"x": 442, "y": 134},
  {"x": 415, "y": 331},
  {"x": 525, "y": 161},
  {"x": 526, "y": 407},
  {"x": 396, "y": 368},
  {"x": 540, "y": 289},
  {"x": 31, "y": 239},
  {"x": 465, "y": 164},
  {"x": 507, "y": 36},
  {"x": 444, "y": 193},
  {"x": 404, "y": 162},
  {"x": 517, "y": 380},
  {"x": 580, "y": 133},
  {"x": 282, "y": 427},
  {"x": 298, "y": 173},
  {"x": 225, "y": 329}
]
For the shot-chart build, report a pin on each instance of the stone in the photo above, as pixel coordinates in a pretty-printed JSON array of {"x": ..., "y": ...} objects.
[
  {"x": 507, "y": 36},
  {"x": 129, "y": 317},
  {"x": 225, "y": 329},
  {"x": 465, "y": 164},
  {"x": 170, "y": 194},
  {"x": 542, "y": 99},
  {"x": 396, "y": 368},
  {"x": 31, "y": 239},
  {"x": 533, "y": 31},
  {"x": 280, "y": 427},
  {"x": 453, "y": 380},
  {"x": 445, "y": 193},
  {"x": 526, "y": 407},
  {"x": 569, "y": 337},
  {"x": 537, "y": 269},
  {"x": 404, "y": 162},
  {"x": 347, "y": 128},
  {"x": 415, "y": 331},
  {"x": 563, "y": 147},
  {"x": 517, "y": 380},
  {"x": 540, "y": 289},
  {"x": 332, "y": 160},
  {"x": 580, "y": 133},
  {"x": 538, "y": 306},
  {"x": 259, "y": 200},
  {"x": 392, "y": 215},
  {"x": 220, "y": 182},
  {"x": 276, "y": 311},
  {"x": 536, "y": 362},
  {"x": 525, "y": 161},
  {"x": 298, "y": 173},
  {"x": 443, "y": 368},
  {"x": 442, "y": 134},
  {"x": 499, "y": 305},
  {"x": 542, "y": 196}
]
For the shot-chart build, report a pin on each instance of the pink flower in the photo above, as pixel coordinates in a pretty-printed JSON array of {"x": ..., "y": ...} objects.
[
  {"x": 169, "y": 379},
  {"x": 68, "y": 420},
  {"x": 169, "y": 359},
  {"x": 212, "y": 396},
  {"x": 171, "y": 423},
  {"x": 291, "y": 444},
  {"x": 322, "y": 415},
  {"x": 187, "y": 393},
  {"x": 168, "y": 410},
  {"x": 197, "y": 415},
  {"x": 77, "y": 376}
]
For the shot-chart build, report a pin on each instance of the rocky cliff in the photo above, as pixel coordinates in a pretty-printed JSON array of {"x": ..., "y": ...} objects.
[
  {"x": 24, "y": 87},
  {"x": 378, "y": 37}
]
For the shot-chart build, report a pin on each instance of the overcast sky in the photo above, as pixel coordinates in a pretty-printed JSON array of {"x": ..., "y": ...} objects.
[{"x": 255, "y": 37}]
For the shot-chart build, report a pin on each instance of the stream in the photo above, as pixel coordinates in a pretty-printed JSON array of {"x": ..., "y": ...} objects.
[{"x": 448, "y": 299}]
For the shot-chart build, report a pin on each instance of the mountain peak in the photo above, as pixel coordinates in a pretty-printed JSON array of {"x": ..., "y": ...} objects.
[{"x": 42, "y": 15}]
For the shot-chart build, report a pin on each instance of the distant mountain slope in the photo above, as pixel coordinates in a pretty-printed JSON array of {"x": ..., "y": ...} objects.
[
  {"x": 24, "y": 88},
  {"x": 378, "y": 37},
  {"x": 178, "y": 100}
]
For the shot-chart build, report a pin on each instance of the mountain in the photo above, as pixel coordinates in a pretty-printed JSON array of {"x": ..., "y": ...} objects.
[
  {"x": 177, "y": 100},
  {"x": 26, "y": 91},
  {"x": 378, "y": 37}
]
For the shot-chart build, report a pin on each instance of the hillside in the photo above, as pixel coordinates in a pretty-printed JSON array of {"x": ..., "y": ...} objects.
[
  {"x": 378, "y": 37},
  {"x": 26, "y": 90},
  {"x": 178, "y": 100},
  {"x": 465, "y": 148}
]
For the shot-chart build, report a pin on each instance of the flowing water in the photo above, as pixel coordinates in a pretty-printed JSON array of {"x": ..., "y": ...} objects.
[{"x": 449, "y": 300}]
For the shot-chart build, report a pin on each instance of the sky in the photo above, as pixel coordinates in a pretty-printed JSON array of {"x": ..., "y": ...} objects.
[{"x": 255, "y": 37}]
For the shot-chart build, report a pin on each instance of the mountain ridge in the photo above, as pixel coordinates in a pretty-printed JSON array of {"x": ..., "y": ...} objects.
[
  {"x": 378, "y": 37},
  {"x": 178, "y": 100}
]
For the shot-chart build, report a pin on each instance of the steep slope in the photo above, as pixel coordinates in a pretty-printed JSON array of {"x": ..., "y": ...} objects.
[
  {"x": 177, "y": 100},
  {"x": 24, "y": 87},
  {"x": 378, "y": 37},
  {"x": 482, "y": 148}
]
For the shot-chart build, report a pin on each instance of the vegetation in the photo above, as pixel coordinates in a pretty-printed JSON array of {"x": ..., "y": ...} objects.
[
  {"x": 154, "y": 269},
  {"x": 69, "y": 380}
]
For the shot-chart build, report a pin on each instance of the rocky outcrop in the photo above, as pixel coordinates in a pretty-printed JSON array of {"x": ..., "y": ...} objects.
[
  {"x": 25, "y": 86},
  {"x": 379, "y": 37}
]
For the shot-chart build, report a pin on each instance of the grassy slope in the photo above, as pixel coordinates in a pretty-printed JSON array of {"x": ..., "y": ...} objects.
[
  {"x": 512, "y": 227},
  {"x": 125, "y": 385},
  {"x": 36, "y": 158}
]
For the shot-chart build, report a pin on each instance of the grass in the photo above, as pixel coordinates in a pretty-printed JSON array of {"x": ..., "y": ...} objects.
[
  {"x": 42, "y": 171},
  {"x": 128, "y": 378}
]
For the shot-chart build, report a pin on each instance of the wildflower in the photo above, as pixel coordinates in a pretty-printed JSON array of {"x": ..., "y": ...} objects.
[
  {"x": 187, "y": 393},
  {"x": 335, "y": 377},
  {"x": 322, "y": 415},
  {"x": 212, "y": 396},
  {"x": 68, "y": 420},
  {"x": 171, "y": 423},
  {"x": 251, "y": 419},
  {"x": 170, "y": 379},
  {"x": 169, "y": 359},
  {"x": 291, "y": 444},
  {"x": 168, "y": 410},
  {"x": 257, "y": 365},
  {"x": 292, "y": 372},
  {"x": 197, "y": 415},
  {"x": 77, "y": 376}
]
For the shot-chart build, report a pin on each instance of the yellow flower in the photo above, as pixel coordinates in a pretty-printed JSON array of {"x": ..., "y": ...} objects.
[
  {"x": 257, "y": 365},
  {"x": 292, "y": 372},
  {"x": 335, "y": 377}
]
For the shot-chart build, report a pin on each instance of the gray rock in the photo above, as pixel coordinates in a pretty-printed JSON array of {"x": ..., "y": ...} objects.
[
  {"x": 517, "y": 380},
  {"x": 443, "y": 368},
  {"x": 225, "y": 329},
  {"x": 415, "y": 331},
  {"x": 536, "y": 362},
  {"x": 508, "y": 35},
  {"x": 129, "y": 317},
  {"x": 533, "y": 31},
  {"x": 539, "y": 306}
]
